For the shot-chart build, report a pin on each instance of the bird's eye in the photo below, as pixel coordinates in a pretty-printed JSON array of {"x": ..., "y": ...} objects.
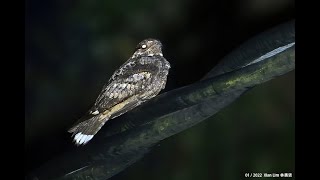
[{"x": 143, "y": 46}]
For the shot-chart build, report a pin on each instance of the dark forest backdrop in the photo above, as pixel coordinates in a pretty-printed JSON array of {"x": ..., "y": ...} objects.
[{"x": 73, "y": 47}]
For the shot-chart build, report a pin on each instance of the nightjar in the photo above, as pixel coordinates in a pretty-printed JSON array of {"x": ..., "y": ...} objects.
[{"x": 139, "y": 79}]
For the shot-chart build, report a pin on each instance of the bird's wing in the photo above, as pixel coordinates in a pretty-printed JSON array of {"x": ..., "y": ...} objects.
[
  {"x": 120, "y": 90},
  {"x": 122, "y": 93},
  {"x": 118, "y": 98}
]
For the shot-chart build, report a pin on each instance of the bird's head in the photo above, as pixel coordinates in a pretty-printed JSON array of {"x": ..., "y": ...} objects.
[{"x": 148, "y": 47}]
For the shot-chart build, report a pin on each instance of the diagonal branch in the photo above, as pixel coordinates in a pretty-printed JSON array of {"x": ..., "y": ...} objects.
[{"x": 127, "y": 139}]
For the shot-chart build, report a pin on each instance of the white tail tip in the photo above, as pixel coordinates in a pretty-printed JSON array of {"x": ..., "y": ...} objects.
[{"x": 83, "y": 139}]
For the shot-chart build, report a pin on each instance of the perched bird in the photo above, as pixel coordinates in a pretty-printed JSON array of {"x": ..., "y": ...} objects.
[{"x": 139, "y": 79}]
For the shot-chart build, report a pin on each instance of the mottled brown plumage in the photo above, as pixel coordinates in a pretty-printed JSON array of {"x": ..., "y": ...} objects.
[{"x": 139, "y": 79}]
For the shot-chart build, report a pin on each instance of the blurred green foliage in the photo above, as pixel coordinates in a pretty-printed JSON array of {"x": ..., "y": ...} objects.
[{"x": 73, "y": 47}]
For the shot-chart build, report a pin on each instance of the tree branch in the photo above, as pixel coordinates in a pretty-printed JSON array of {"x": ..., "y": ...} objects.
[{"x": 126, "y": 140}]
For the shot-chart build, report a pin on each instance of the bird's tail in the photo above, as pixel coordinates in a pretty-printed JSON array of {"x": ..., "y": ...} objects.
[{"x": 83, "y": 132}]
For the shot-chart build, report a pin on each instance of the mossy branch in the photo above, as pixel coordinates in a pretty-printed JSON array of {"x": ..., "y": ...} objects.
[{"x": 126, "y": 140}]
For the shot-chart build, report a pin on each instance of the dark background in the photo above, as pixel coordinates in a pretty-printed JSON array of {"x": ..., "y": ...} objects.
[{"x": 73, "y": 47}]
